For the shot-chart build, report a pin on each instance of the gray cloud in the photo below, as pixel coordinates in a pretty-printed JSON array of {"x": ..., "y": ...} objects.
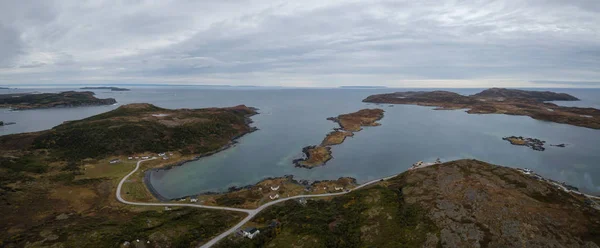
[{"x": 308, "y": 43}]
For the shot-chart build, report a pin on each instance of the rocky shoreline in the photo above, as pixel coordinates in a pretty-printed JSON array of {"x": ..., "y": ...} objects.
[{"x": 301, "y": 182}]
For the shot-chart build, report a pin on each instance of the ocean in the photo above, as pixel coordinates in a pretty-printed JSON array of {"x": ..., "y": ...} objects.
[{"x": 292, "y": 118}]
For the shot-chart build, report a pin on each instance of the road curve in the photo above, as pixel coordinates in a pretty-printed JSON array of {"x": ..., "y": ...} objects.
[{"x": 251, "y": 212}]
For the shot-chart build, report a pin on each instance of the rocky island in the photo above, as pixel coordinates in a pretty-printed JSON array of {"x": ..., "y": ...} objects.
[
  {"x": 24, "y": 101},
  {"x": 532, "y": 143},
  {"x": 500, "y": 101},
  {"x": 105, "y": 88},
  {"x": 349, "y": 124},
  {"x": 57, "y": 187}
]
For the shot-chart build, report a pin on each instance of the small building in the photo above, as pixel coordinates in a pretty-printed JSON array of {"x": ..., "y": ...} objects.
[
  {"x": 161, "y": 154},
  {"x": 114, "y": 161},
  {"x": 167, "y": 209},
  {"x": 302, "y": 201},
  {"x": 275, "y": 188},
  {"x": 145, "y": 157},
  {"x": 273, "y": 197},
  {"x": 193, "y": 200},
  {"x": 129, "y": 158},
  {"x": 165, "y": 158},
  {"x": 250, "y": 232},
  {"x": 339, "y": 188}
]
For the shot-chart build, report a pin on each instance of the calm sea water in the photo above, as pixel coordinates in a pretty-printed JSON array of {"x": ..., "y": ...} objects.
[{"x": 290, "y": 119}]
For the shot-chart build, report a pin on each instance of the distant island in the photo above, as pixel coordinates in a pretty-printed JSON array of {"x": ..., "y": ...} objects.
[
  {"x": 362, "y": 87},
  {"x": 4, "y": 88},
  {"x": 349, "y": 124},
  {"x": 500, "y": 101},
  {"x": 24, "y": 101},
  {"x": 105, "y": 88}
]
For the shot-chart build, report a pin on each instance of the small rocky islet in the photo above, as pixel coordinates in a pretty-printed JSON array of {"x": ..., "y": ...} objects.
[{"x": 533, "y": 143}]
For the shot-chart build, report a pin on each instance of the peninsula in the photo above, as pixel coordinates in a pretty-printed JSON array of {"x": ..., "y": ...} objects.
[
  {"x": 463, "y": 203},
  {"x": 105, "y": 88},
  {"x": 57, "y": 186},
  {"x": 349, "y": 124},
  {"x": 500, "y": 101},
  {"x": 24, "y": 101}
]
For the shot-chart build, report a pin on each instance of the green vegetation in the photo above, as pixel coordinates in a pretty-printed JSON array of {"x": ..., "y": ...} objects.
[
  {"x": 373, "y": 217},
  {"x": 176, "y": 228},
  {"x": 464, "y": 203},
  {"x": 133, "y": 129}
]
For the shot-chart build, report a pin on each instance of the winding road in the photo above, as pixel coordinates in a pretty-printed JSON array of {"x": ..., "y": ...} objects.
[{"x": 251, "y": 212}]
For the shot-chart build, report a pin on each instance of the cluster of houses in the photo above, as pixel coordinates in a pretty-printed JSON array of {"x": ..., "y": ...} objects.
[{"x": 163, "y": 155}]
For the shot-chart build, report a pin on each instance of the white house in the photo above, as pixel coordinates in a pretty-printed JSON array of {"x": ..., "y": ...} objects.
[
  {"x": 114, "y": 161},
  {"x": 339, "y": 188},
  {"x": 161, "y": 154},
  {"x": 273, "y": 197},
  {"x": 193, "y": 200},
  {"x": 145, "y": 157},
  {"x": 275, "y": 188},
  {"x": 250, "y": 232},
  {"x": 130, "y": 158}
]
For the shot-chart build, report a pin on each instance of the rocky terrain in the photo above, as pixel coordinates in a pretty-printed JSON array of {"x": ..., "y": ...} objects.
[
  {"x": 464, "y": 203},
  {"x": 23, "y": 101},
  {"x": 500, "y": 101},
  {"x": 57, "y": 186},
  {"x": 349, "y": 124}
]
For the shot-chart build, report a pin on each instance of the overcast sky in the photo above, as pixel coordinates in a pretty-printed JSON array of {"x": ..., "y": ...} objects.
[{"x": 324, "y": 43}]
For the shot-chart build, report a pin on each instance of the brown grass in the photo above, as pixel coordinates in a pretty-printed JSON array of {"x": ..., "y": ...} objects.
[{"x": 336, "y": 138}]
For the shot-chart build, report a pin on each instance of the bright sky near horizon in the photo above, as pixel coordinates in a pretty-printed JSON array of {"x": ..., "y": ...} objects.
[{"x": 315, "y": 43}]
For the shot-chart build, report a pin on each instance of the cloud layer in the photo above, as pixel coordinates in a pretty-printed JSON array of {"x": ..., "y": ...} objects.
[{"x": 429, "y": 43}]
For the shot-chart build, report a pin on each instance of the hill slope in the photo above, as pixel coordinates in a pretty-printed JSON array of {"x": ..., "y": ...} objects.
[
  {"x": 137, "y": 128},
  {"x": 465, "y": 203},
  {"x": 57, "y": 186}
]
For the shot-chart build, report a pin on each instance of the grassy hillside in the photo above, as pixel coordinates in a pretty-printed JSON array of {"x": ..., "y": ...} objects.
[
  {"x": 57, "y": 186},
  {"x": 465, "y": 203},
  {"x": 138, "y": 128}
]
